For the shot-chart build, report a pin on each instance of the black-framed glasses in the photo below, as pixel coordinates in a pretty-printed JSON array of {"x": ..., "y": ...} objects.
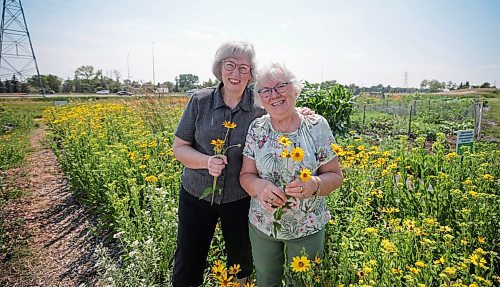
[
  {"x": 230, "y": 66},
  {"x": 280, "y": 88}
]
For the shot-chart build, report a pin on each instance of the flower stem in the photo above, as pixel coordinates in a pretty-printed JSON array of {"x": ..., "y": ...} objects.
[{"x": 214, "y": 185}]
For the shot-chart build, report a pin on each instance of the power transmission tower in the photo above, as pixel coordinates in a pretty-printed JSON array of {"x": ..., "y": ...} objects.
[
  {"x": 17, "y": 57},
  {"x": 405, "y": 85}
]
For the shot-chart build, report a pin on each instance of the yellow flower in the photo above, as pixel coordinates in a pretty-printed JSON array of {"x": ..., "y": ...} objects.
[
  {"x": 225, "y": 281},
  {"x": 451, "y": 155},
  {"x": 218, "y": 144},
  {"x": 414, "y": 270},
  {"x": 284, "y": 141},
  {"x": 235, "y": 269},
  {"x": 488, "y": 177},
  {"x": 481, "y": 240},
  {"x": 372, "y": 262},
  {"x": 473, "y": 285},
  {"x": 467, "y": 182},
  {"x": 305, "y": 175},
  {"x": 440, "y": 261},
  {"x": 229, "y": 125},
  {"x": 336, "y": 148},
  {"x": 445, "y": 229},
  {"x": 421, "y": 285},
  {"x": 317, "y": 260},
  {"x": 297, "y": 154},
  {"x": 248, "y": 284},
  {"x": 420, "y": 264},
  {"x": 450, "y": 270},
  {"x": 388, "y": 246},
  {"x": 473, "y": 193},
  {"x": 218, "y": 270},
  {"x": 396, "y": 270},
  {"x": 370, "y": 230},
  {"x": 285, "y": 154},
  {"x": 151, "y": 178},
  {"x": 300, "y": 264}
]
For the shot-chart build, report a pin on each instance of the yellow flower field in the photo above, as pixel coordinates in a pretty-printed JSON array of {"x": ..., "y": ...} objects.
[{"x": 407, "y": 214}]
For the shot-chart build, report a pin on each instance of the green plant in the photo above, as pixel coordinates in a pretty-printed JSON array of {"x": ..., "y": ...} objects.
[{"x": 335, "y": 103}]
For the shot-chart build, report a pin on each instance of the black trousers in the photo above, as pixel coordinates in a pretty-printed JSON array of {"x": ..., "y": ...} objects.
[{"x": 197, "y": 222}]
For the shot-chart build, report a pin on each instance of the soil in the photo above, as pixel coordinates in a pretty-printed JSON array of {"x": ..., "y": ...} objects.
[{"x": 50, "y": 238}]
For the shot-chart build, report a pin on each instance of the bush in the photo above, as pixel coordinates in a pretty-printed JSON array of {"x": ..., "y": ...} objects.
[{"x": 335, "y": 103}]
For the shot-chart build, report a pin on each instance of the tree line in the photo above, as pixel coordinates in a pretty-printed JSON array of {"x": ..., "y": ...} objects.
[{"x": 87, "y": 79}]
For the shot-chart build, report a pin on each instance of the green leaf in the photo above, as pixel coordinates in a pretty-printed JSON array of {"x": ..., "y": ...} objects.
[{"x": 206, "y": 192}]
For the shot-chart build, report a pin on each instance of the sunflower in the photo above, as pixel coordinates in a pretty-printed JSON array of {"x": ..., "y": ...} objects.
[
  {"x": 305, "y": 175},
  {"x": 284, "y": 141},
  {"x": 300, "y": 264},
  {"x": 297, "y": 154},
  {"x": 229, "y": 125}
]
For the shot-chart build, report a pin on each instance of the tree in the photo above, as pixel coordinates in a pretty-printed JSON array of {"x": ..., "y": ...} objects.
[
  {"x": 50, "y": 82},
  {"x": 485, "y": 85},
  {"x": 424, "y": 84},
  {"x": 435, "y": 85},
  {"x": 169, "y": 85},
  {"x": 85, "y": 72},
  {"x": 184, "y": 82},
  {"x": 210, "y": 83}
]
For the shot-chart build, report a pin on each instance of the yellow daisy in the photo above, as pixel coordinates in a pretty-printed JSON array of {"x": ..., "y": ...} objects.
[
  {"x": 305, "y": 175},
  {"x": 235, "y": 269},
  {"x": 297, "y": 154},
  {"x": 284, "y": 141},
  {"x": 285, "y": 154},
  {"x": 229, "y": 125},
  {"x": 300, "y": 264}
]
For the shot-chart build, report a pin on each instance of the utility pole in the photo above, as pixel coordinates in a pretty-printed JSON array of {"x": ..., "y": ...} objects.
[
  {"x": 17, "y": 57},
  {"x": 128, "y": 69},
  {"x": 153, "y": 56},
  {"x": 405, "y": 85}
]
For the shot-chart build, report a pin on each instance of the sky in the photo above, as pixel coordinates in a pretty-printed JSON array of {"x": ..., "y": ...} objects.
[{"x": 359, "y": 41}]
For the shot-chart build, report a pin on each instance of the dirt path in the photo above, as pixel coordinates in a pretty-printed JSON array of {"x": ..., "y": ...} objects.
[{"x": 48, "y": 234}]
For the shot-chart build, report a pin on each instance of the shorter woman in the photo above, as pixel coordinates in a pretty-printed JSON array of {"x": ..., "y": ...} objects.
[{"x": 278, "y": 147}]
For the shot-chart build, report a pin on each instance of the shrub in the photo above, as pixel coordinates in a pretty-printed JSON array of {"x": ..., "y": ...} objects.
[{"x": 335, "y": 103}]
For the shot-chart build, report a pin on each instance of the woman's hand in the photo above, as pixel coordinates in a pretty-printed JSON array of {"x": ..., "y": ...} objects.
[
  {"x": 271, "y": 197},
  {"x": 216, "y": 164},
  {"x": 305, "y": 111},
  {"x": 300, "y": 189}
]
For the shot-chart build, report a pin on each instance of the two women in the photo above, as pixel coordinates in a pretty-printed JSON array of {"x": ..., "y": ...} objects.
[{"x": 202, "y": 122}]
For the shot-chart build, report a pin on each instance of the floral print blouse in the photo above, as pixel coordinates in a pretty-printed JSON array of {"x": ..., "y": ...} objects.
[{"x": 305, "y": 216}]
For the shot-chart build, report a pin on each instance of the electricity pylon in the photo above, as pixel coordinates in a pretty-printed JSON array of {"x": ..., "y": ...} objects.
[{"x": 17, "y": 57}]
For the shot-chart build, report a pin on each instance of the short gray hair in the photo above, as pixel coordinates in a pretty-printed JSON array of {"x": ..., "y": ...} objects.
[
  {"x": 233, "y": 49},
  {"x": 275, "y": 72}
]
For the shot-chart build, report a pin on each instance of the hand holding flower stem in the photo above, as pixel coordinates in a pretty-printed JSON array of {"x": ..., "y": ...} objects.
[{"x": 220, "y": 151}]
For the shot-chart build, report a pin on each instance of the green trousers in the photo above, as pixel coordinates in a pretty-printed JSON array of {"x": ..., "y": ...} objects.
[{"x": 269, "y": 253}]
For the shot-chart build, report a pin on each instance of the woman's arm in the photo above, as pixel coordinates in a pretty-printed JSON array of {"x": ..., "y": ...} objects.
[
  {"x": 193, "y": 159},
  {"x": 265, "y": 191},
  {"x": 329, "y": 178}
]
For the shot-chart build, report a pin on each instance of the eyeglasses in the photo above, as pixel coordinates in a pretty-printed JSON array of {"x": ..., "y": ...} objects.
[
  {"x": 230, "y": 66},
  {"x": 280, "y": 88}
]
